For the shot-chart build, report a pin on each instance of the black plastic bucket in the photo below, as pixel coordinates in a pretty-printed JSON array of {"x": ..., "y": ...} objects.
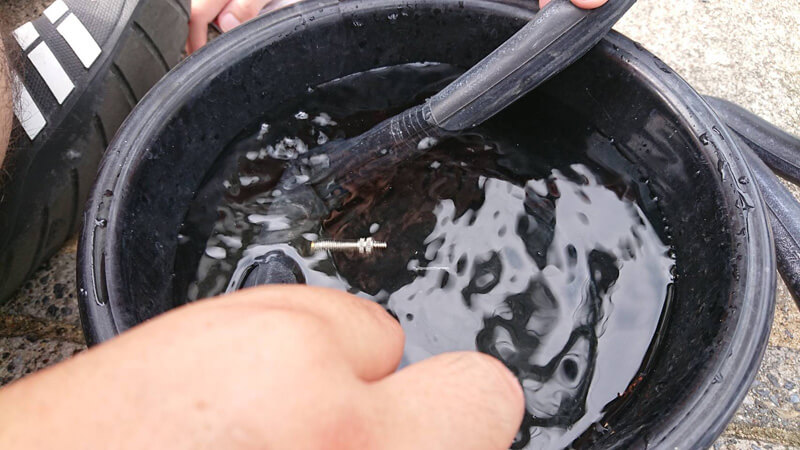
[{"x": 719, "y": 322}]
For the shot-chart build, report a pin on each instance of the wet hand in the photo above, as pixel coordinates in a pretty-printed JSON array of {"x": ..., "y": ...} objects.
[{"x": 277, "y": 367}]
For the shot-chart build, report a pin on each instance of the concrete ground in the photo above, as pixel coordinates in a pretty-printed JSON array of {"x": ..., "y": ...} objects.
[{"x": 744, "y": 50}]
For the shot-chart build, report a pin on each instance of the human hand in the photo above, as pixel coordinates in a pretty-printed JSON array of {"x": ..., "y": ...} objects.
[
  {"x": 228, "y": 14},
  {"x": 277, "y": 367},
  {"x": 586, "y": 4}
]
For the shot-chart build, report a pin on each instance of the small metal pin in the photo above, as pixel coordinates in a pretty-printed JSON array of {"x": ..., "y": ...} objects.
[{"x": 363, "y": 245}]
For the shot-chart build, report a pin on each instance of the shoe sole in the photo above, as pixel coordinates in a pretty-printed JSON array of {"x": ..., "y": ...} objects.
[{"x": 52, "y": 166}]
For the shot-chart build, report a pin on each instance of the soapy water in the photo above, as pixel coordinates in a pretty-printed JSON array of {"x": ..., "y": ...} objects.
[{"x": 533, "y": 244}]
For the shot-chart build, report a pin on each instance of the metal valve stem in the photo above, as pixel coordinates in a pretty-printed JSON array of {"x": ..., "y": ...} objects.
[{"x": 363, "y": 245}]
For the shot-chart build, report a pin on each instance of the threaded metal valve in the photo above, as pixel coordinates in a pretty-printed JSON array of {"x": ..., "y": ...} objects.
[{"x": 363, "y": 245}]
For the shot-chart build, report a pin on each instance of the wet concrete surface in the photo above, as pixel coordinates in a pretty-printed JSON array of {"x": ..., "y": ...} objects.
[{"x": 741, "y": 50}]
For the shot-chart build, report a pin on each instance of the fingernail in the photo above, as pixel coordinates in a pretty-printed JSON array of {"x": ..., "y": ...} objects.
[{"x": 228, "y": 21}]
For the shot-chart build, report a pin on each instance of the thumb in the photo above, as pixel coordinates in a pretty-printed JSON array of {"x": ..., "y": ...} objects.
[
  {"x": 238, "y": 11},
  {"x": 465, "y": 400}
]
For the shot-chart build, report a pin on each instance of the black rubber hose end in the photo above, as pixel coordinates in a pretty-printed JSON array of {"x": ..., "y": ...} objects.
[{"x": 275, "y": 267}]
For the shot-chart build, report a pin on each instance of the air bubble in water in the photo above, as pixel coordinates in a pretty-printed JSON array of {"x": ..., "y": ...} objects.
[
  {"x": 427, "y": 143},
  {"x": 324, "y": 120},
  {"x": 216, "y": 252},
  {"x": 287, "y": 148},
  {"x": 245, "y": 180},
  {"x": 263, "y": 131}
]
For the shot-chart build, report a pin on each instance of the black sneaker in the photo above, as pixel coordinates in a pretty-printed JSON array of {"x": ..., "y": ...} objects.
[{"x": 84, "y": 65}]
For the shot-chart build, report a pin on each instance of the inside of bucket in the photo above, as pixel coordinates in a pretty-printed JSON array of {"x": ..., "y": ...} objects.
[{"x": 638, "y": 125}]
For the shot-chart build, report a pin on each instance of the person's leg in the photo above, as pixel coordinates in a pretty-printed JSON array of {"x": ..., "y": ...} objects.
[{"x": 6, "y": 106}]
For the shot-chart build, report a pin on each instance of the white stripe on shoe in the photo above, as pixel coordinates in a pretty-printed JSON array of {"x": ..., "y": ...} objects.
[
  {"x": 49, "y": 68},
  {"x": 79, "y": 38},
  {"x": 28, "y": 114},
  {"x": 25, "y": 35},
  {"x": 56, "y": 10}
]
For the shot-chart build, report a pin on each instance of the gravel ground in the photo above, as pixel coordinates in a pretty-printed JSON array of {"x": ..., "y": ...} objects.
[{"x": 743, "y": 50}]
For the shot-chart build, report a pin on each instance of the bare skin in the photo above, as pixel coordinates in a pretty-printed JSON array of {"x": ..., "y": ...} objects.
[
  {"x": 278, "y": 367},
  {"x": 229, "y": 14},
  {"x": 6, "y": 111}
]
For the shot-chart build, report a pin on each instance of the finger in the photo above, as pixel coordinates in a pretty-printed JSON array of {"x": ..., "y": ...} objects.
[
  {"x": 238, "y": 11},
  {"x": 585, "y": 4},
  {"x": 203, "y": 13},
  {"x": 370, "y": 340},
  {"x": 463, "y": 400},
  {"x": 589, "y": 4},
  {"x": 197, "y": 37}
]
